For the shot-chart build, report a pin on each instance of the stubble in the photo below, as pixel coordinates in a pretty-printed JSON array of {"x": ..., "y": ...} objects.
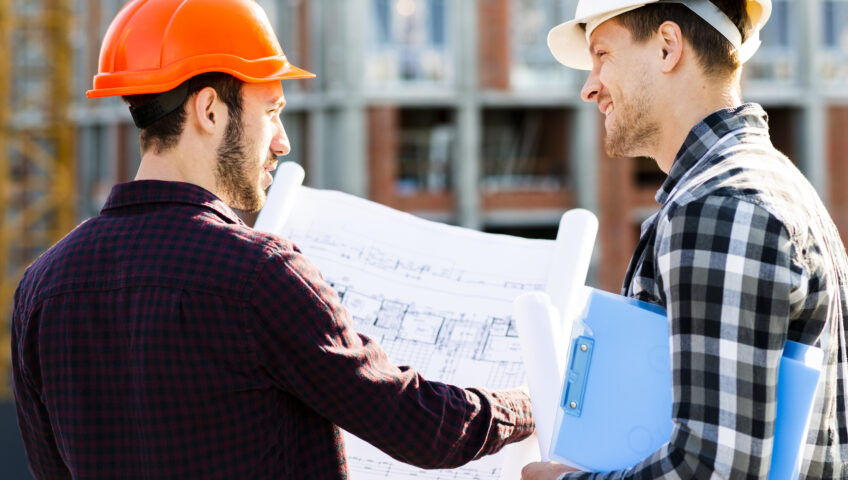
[
  {"x": 231, "y": 171},
  {"x": 634, "y": 132}
]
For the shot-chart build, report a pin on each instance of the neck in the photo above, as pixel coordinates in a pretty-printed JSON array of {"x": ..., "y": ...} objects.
[
  {"x": 680, "y": 117},
  {"x": 181, "y": 163}
]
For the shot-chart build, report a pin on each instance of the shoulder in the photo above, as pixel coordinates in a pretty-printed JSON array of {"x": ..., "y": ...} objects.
[
  {"x": 170, "y": 249},
  {"x": 717, "y": 239},
  {"x": 239, "y": 257},
  {"x": 268, "y": 268},
  {"x": 719, "y": 216},
  {"x": 254, "y": 245},
  {"x": 282, "y": 263},
  {"x": 52, "y": 269},
  {"x": 749, "y": 176}
]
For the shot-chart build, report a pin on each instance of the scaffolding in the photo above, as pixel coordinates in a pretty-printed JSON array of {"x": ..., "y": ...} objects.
[{"x": 37, "y": 168}]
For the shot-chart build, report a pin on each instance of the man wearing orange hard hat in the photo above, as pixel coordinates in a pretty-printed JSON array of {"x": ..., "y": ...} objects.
[
  {"x": 166, "y": 339},
  {"x": 742, "y": 254}
]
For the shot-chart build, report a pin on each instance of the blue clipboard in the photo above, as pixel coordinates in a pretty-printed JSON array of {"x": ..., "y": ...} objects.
[{"x": 615, "y": 407}]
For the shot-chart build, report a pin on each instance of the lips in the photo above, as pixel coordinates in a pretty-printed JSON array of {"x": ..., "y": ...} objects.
[{"x": 606, "y": 107}]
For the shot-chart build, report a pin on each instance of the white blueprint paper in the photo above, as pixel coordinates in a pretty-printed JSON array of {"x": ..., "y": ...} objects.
[
  {"x": 544, "y": 320},
  {"x": 436, "y": 297}
]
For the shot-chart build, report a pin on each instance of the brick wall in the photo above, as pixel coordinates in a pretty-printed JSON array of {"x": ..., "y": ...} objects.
[
  {"x": 382, "y": 152},
  {"x": 837, "y": 153},
  {"x": 494, "y": 48},
  {"x": 617, "y": 201}
]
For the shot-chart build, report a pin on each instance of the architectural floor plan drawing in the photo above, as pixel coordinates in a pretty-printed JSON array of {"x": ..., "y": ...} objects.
[{"x": 436, "y": 297}]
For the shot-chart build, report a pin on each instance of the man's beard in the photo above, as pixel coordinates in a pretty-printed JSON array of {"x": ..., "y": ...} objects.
[
  {"x": 231, "y": 172},
  {"x": 633, "y": 133}
]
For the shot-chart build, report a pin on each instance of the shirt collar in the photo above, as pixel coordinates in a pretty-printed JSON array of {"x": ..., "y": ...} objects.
[
  {"x": 706, "y": 134},
  {"x": 143, "y": 192}
]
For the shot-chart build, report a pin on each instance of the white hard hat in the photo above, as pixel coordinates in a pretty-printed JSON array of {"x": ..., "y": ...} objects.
[{"x": 569, "y": 41}]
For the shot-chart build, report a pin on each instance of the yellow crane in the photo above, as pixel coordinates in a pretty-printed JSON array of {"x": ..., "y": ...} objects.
[{"x": 37, "y": 167}]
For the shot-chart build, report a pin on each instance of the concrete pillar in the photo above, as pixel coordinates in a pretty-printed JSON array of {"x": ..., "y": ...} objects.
[
  {"x": 466, "y": 168},
  {"x": 584, "y": 155},
  {"x": 351, "y": 166},
  {"x": 813, "y": 118}
]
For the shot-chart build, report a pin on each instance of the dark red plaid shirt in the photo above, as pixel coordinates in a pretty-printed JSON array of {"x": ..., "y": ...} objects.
[{"x": 166, "y": 339}]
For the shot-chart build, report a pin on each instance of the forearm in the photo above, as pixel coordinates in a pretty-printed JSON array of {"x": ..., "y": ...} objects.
[
  {"x": 423, "y": 423},
  {"x": 304, "y": 336}
]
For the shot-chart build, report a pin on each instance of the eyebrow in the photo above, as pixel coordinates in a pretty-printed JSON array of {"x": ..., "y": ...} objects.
[{"x": 593, "y": 48}]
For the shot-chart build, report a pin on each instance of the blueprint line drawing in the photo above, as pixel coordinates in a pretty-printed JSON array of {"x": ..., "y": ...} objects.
[
  {"x": 432, "y": 340},
  {"x": 381, "y": 258},
  {"x": 435, "y": 297}
]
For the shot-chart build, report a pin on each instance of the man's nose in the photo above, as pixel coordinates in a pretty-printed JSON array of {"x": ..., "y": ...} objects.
[
  {"x": 592, "y": 87},
  {"x": 280, "y": 143}
]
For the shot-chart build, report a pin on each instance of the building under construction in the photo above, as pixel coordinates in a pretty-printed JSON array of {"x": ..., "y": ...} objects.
[{"x": 453, "y": 110}]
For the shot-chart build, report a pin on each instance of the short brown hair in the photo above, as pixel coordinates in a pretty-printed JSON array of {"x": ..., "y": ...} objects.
[
  {"x": 716, "y": 54},
  {"x": 164, "y": 134}
]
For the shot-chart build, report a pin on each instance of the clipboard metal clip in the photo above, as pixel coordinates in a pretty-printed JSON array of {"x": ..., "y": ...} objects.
[{"x": 577, "y": 375}]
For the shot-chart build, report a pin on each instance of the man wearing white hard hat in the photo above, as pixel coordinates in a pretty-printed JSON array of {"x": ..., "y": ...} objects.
[{"x": 742, "y": 253}]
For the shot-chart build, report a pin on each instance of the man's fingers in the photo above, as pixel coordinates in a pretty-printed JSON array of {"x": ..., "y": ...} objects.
[{"x": 544, "y": 471}]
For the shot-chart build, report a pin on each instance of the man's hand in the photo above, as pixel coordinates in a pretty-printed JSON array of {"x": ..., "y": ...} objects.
[{"x": 544, "y": 471}]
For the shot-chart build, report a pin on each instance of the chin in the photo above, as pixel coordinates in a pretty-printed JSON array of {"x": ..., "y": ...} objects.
[{"x": 259, "y": 199}]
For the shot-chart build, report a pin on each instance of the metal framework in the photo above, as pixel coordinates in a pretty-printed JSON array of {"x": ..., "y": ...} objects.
[{"x": 37, "y": 171}]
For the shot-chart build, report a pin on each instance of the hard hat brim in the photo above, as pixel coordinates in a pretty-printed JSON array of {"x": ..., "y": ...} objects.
[
  {"x": 153, "y": 81},
  {"x": 568, "y": 43}
]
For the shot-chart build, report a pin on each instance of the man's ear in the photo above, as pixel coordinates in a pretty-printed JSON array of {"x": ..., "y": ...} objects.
[
  {"x": 206, "y": 110},
  {"x": 671, "y": 45}
]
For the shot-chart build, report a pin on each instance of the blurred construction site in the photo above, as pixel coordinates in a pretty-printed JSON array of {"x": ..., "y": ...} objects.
[{"x": 452, "y": 110}]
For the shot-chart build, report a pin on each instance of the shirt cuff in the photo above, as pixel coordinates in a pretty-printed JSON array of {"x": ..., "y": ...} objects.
[{"x": 513, "y": 415}]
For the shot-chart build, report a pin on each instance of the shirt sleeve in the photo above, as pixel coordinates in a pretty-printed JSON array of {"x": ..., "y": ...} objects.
[
  {"x": 305, "y": 338},
  {"x": 33, "y": 420},
  {"x": 725, "y": 268}
]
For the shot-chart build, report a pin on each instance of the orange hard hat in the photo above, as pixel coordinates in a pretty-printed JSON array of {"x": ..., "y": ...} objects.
[{"x": 153, "y": 46}]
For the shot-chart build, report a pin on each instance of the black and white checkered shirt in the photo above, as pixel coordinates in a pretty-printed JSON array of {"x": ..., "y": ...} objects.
[{"x": 743, "y": 255}]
